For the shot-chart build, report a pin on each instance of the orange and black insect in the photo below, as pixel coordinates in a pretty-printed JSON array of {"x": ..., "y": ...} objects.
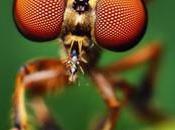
[{"x": 84, "y": 28}]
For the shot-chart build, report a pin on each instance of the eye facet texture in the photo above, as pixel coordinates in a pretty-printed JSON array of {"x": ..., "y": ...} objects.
[
  {"x": 39, "y": 20},
  {"x": 119, "y": 24}
]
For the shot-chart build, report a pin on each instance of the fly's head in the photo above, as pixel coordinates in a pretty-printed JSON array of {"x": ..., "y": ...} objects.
[{"x": 115, "y": 25}]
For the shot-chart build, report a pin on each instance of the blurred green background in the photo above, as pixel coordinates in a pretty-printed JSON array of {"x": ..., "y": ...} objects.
[{"x": 77, "y": 106}]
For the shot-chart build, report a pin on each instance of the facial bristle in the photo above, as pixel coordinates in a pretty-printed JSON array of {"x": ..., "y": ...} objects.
[
  {"x": 119, "y": 24},
  {"x": 39, "y": 20}
]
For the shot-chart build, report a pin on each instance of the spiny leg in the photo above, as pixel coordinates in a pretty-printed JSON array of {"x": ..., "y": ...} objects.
[
  {"x": 110, "y": 99},
  {"x": 38, "y": 77},
  {"x": 151, "y": 55},
  {"x": 142, "y": 94}
]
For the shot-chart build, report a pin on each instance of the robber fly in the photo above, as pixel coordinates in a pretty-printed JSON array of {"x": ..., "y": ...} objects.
[{"x": 84, "y": 28}]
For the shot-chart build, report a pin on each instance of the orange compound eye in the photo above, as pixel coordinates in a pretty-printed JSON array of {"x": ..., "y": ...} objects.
[
  {"x": 39, "y": 20},
  {"x": 119, "y": 24}
]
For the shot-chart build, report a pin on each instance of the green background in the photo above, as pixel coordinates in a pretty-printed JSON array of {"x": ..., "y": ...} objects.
[{"x": 79, "y": 105}]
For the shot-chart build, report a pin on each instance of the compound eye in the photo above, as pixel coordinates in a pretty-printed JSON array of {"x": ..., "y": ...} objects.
[
  {"x": 119, "y": 24},
  {"x": 39, "y": 20}
]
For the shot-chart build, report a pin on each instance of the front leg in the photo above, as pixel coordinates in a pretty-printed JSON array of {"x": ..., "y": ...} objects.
[
  {"x": 38, "y": 77},
  {"x": 107, "y": 83},
  {"x": 139, "y": 96},
  {"x": 149, "y": 54},
  {"x": 108, "y": 95}
]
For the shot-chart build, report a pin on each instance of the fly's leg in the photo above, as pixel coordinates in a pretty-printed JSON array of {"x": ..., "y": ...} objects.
[
  {"x": 148, "y": 54},
  {"x": 37, "y": 78},
  {"x": 108, "y": 95},
  {"x": 141, "y": 95},
  {"x": 107, "y": 83}
]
